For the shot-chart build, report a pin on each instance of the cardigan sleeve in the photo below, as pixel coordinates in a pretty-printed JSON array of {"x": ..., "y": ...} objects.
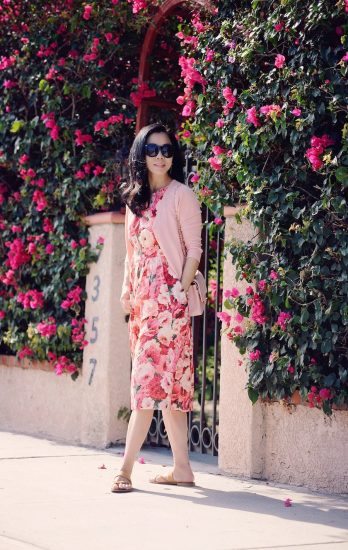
[
  {"x": 190, "y": 219},
  {"x": 125, "y": 294}
]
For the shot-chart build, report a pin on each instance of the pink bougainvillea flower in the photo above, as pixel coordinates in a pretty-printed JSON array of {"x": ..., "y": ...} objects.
[
  {"x": 279, "y": 26},
  {"x": 49, "y": 248},
  {"x": 252, "y": 117},
  {"x": 190, "y": 74},
  {"x": 25, "y": 352},
  {"x": 269, "y": 110},
  {"x": 255, "y": 355},
  {"x": 23, "y": 159},
  {"x": 224, "y": 317},
  {"x": 64, "y": 364},
  {"x": 218, "y": 221},
  {"x": 17, "y": 255},
  {"x": 325, "y": 394},
  {"x": 39, "y": 199},
  {"x": 220, "y": 123},
  {"x": 16, "y": 228},
  {"x": 288, "y": 502},
  {"x": 73, "y": 297},
  {"x": 180, "y": 99},
  {"x": 283, "y": 319},
  {"x": 279, "y": 61},
  {"x": 296, "y": 112},
  {"x": 249, "y": 290},
  {"x": 229, "y": 96},
  {"x": 81, "y": 138},
  {"x": 209, "y": 54},
  {"x": 10, "y": 84},
  {"x": 54, "y": 133},
  {"x": 313, "y": 155},
  {"x": 7, "y": 62},
  {"x": 32, "y": 299},
  {"x": 217, "y": 150},
  {"x": 205, "y": 192},
  {"x": 258, "y": 310},
  {"x": 189, "y": 109},
  {"x": 47, "y": 328},
  {"x": 345, "y": 57},
  {"x": 323, "y": 141},
  {"x": 318, "y": 145},
  {"x": 262, "y": 285},
  {"x": 239, "y": 318},
  {"x": 186, "y": 134},
  {"x": 80, "y": 175},
  {"x": 47, "y": 225},
  {"x": 273, "y": 275},
  {"x": 234, "y": 293},
  {"x": 290, "y": 369},
  {"x": 87, "y": 12},
  {"x": 215, "y": 163},
  {"x": 2, "y": 314}
]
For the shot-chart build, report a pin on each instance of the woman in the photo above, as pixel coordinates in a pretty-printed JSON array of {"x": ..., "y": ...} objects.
[{"x": 163, "y": 239}]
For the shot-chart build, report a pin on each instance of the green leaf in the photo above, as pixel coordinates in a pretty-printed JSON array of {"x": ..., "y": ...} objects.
[
  {"x": 304, "y": 315},
  {"x": 253, "y": 395},
  {"x": 342, "y": 175}
]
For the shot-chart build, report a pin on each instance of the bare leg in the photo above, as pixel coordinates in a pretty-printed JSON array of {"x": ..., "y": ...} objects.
[
  {"x": 139, "y": 424},
  {"x": 138, "y": 427},
  {"x": 176, "y": 427}
]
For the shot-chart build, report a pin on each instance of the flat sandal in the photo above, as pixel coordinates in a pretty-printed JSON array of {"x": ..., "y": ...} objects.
[
  {"x": 122, "y": 479},
  {"x": 169, "y": 480}
]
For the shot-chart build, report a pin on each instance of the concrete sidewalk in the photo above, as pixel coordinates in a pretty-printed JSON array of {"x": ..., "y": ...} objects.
[{"x": 56, "y": 497}]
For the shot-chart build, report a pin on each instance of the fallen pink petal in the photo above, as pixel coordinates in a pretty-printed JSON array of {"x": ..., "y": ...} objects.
[
  {"x": 141, "y": 460},
  {"x": 102, "y": 467},
  {"x": 288, "y": 502}
]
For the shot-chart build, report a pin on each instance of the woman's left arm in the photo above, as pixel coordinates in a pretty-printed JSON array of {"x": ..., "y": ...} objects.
[{"x": 190, "y": 219}]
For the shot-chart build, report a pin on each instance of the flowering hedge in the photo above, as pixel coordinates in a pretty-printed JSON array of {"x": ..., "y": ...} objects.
[
  {"x": 68, "y": 80},
  {"x": 266, "y": 104}
]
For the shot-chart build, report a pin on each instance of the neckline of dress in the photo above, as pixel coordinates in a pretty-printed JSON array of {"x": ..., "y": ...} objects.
[{"x": 161, "y": 188}]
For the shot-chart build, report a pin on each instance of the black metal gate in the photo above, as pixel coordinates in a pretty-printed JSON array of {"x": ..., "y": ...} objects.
[{"x": 203, "y": 421}]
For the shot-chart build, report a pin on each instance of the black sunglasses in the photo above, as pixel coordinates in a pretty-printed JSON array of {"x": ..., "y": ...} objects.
[{"x": 152, "y": 150}]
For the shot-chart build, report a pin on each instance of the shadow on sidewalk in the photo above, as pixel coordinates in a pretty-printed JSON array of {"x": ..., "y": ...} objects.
[{"x": 307, "y": 512}]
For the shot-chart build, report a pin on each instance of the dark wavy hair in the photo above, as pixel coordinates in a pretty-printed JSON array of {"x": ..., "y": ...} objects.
[{"x": 136, "y": 192}]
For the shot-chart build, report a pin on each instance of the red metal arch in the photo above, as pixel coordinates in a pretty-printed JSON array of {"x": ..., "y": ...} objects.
[{"x": 163, "y": 13}]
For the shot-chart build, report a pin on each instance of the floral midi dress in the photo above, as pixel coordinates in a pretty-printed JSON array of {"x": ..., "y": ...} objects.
[{"x": 159, "y": 324}]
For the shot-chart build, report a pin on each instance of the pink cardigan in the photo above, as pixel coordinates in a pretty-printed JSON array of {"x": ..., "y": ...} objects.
[{"x": 179, "y": 203}]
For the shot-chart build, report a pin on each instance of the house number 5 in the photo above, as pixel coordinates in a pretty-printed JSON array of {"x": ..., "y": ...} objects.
[{"x": 94, "y": 336}]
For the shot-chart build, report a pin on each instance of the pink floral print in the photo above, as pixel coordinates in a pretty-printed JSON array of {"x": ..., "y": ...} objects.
[{"x": 159, "y": 324}]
